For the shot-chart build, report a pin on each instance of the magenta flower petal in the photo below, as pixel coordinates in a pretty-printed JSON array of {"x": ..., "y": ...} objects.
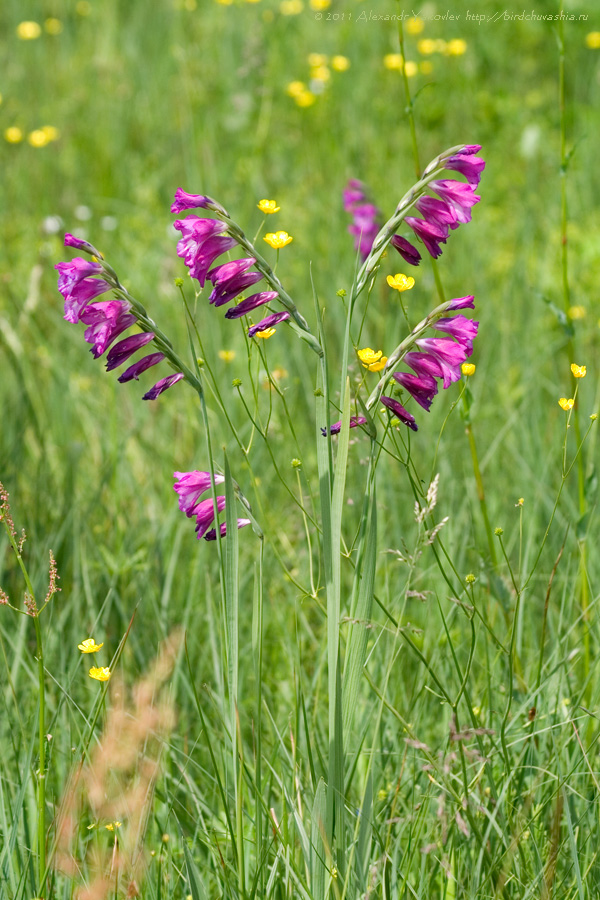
[
  {"x": 202, "y": 241},
  {"x": 134, "y": 371},
  {"x": 461, "y": 328},
  {"x": 406, "y": 250},
  {"x": 353, "y": 194},
  {"x": 162, "y": 385},
  {"x": 190, "y": 486},
  {"x": 457, "y": 194},
  {"x": 337, "y": 426},
  {"x": 81, "y": 294},
  {"x": 467, "y": 302},
  {"x": 227, "y": 292},
  {"x": 250, "y": 303},
  {"x": 423, "y": 364},
  {"x": 469, "y": 149},
  {"x": 431, "y": 235},
  {"x": 184, "y": 201},
  {"x": 79, "y": 244},
  {"x": 468, "y": 165},
  {"x": 121, "y": 352},
  {"x": 437, "y": 212},
  {"x": 224, "y": 273},
  {"x": 268, "y": 322},
  {"x": 422, "y": 388},
  {"x": 205, "y": 514},
  {"x": 448, "y": 354},
  {"x": 71, "y": 273},
  {"x": 212, "y": 534},
  {"x": 398, "y": 410},
  {"x": 106, "y": 321}
]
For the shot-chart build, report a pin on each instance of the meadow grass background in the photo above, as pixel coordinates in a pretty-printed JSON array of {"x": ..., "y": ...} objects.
[{"x": 194, "y": 95}]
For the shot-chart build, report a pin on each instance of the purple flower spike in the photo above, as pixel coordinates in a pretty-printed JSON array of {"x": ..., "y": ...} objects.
[
  {"x": 212, "y": 534},
  {"x": 365, "y": 217},
  {"x": 467, "y": 302},
  {"x": 202, "y": 241},
  {"x": 190, "y": 486},
  {"x": 422, "y": 388},
  {"x": 162, "y": 385},
  {"x": 77, "y": 287},
  {"x": 205, "y": 514},
  {"x": 436, "y": 212},
  {"x": 431, "y": 235},
  {"x": 423, "y": 364},
  {"x": 468, "y": 165},
  {"x": 469, "y": 149},
  {"x": 184, "y": 201},
  {"x": 337, "y": 426},
  {"x": 406, "y": 250},
  {"x": 461, "y": 328},
  {"x": 231, "y": 279},
  {"x": 352, "y": 194},
  {"x": 84, "y": 291},
  {"x": 106, "y": 321},
  {"x": 250, "y": 303},
  {"x": 268, "y": 322},
  {"x": 134, "y": 371},
  {"x": 457, "y": 194},
  {"x": 121, "y": 352},
  {"x": 399, "y": 411},
  {"x": 448, "y": 353}
]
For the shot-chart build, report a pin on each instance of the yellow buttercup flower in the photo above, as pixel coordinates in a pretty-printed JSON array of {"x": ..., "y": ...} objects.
[
  {"x": 227, "y": 355},
  {"x": 321, "y": 73},
  {"x": 578, "y": 371},
  {"x": 415, "y": 25},
  {"x": 278, "y": 239},
  {"x": 576, "y": 312},
  {"x": 51, "y": 132},
  {"x": 53, "y": 26},
  {"x": 305, "y": 98},
  {"x": 456, "y": 47},
  {"x": 393, "y": 61},
  {"x": 373, "y": 360},
  {"x": 268, "y": 206},
  {"x": 112, "y": 825},
  {"x": 401, "y": 282},
  {"x": 100, "y": 674},
  {"x": 28, "y": 31},
  {"x": 520, "y": 501},
  {"x": 340, "y": 63},
  {"x": 426, "y": 46},
  {"x": 566, "y": 404},
  {"x": 38, "y": 138},
  {"x": 319, "y": 5},
  {"x": 410, "y": 68},
  {"x": 291, "y": 7},
  {"x": 468, "y": 368},
  {"x": 266, "y": 334},
  {"x": 592, "y": 40},
  {"x": 295, "y": 88},
  {"x": 317, "y": 59},
  {"x": 89, "y": 646},
  {"x": 13, "y": 135}
]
